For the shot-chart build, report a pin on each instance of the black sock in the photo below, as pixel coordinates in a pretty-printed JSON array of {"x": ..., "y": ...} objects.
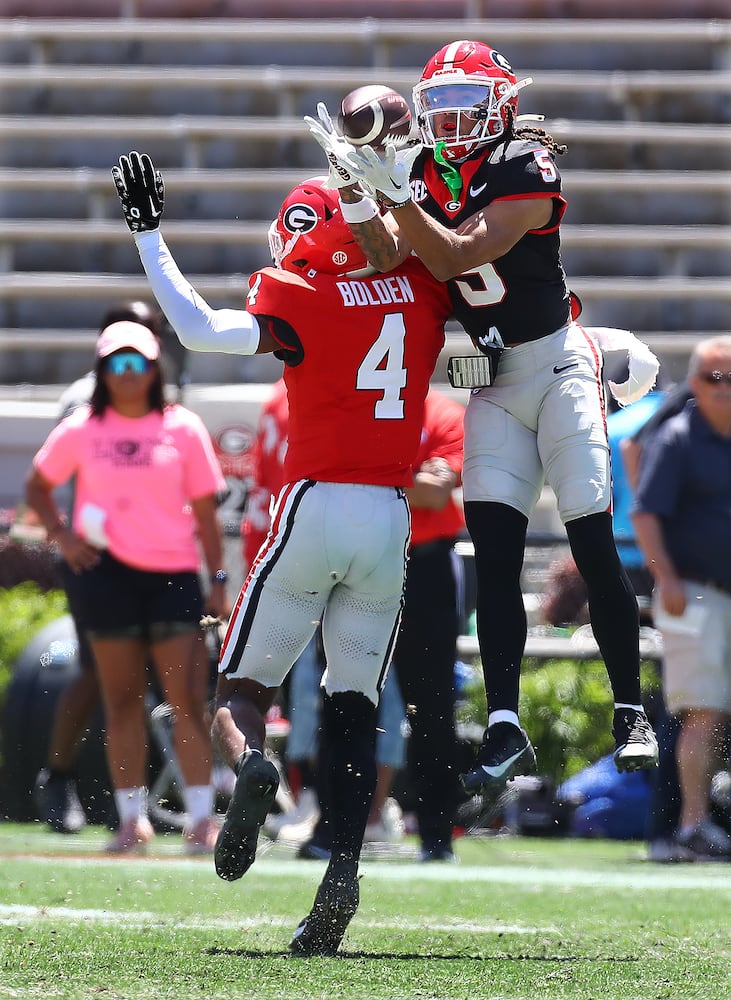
[
  {"x": 498, "y": 534},
  {"x": 613, "y": 610},
  {"x": 349, "y": 757}
]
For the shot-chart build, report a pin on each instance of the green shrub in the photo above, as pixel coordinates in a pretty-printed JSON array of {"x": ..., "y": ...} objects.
[
  {"x": 565, "y": 707},
  {"x": 24, "y": 610}
]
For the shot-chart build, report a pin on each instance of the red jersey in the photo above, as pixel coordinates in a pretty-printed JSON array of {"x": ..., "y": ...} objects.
[
  {"x": 442, "y": 436},
  {"x": 364, "y": 351}
]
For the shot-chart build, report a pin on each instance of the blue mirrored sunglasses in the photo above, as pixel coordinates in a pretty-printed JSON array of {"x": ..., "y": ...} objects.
[{"x": 127, "y": 361}]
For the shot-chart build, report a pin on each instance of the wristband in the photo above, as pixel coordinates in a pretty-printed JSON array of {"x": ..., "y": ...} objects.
[
  {"x": 359, "y": 211},
  {"x": 392, "y": 205},
  {"x": 220, "y": 576}
]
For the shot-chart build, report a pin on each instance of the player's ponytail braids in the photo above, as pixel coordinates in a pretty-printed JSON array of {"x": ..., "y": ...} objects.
[{"x": 533, "y": 132}]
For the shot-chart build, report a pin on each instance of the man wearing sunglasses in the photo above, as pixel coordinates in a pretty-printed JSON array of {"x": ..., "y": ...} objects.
[{"x": 682, "y": 518}]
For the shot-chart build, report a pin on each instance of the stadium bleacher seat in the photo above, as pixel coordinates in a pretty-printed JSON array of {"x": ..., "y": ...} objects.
[
  {"x": 218, "y": 101},
  {"x": 215, "y": 90}
]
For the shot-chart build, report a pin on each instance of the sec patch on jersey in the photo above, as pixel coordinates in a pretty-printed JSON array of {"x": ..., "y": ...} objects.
[{"x": 372, "y": 114}]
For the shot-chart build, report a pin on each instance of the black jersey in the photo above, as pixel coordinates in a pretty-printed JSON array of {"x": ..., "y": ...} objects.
[{"x": 523, "y": 293}]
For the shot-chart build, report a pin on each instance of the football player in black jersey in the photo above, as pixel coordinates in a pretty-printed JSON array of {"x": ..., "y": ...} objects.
[{"x": 481, "y": 206}]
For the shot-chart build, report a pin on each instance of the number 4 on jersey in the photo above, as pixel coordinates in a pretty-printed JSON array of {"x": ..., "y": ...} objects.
[{"x": 383, "y": 369}]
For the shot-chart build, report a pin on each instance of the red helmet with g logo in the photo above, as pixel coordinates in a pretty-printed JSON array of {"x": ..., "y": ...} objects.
[
  {"x": 310, "y": 232},
  {"x": 463, "y": 97}
]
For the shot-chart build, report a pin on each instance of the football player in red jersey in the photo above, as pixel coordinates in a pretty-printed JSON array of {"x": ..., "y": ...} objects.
[
  {"x": 358, "y": 351},
  {"x": 267, "y": 461},
  {"x": 482, "y": 207}
]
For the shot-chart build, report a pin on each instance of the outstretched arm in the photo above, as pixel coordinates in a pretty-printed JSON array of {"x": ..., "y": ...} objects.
[
  {"x": 485, "y": 236},
  {"x": 198, "y": 326},
  {"x": 376, "y": 235},
  {"x": 379, "y": 237},
  {"x": 482, "y": 238}
]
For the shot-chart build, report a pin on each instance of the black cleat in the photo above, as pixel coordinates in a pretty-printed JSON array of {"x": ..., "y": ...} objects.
[
  {"x": 58, "y": 802},
  {"x": 256, "y": 786},
  {"x": 635, "y": 739},
  {"x": 505, "y": 752},
  {"x": 336, "y": 902}
]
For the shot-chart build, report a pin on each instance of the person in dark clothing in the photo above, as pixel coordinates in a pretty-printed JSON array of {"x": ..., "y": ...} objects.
[{"x": 681, "y": 518}]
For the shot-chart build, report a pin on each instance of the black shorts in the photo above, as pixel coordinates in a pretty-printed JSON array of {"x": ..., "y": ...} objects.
[
  {"x": 122, "y": 602},
  {"x": 75, "y": 601}
]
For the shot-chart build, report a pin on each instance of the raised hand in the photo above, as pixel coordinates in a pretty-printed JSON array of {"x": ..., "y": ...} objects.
[
  {"x": 336, "y": 147},
  {"x": 388, "y": 175},
  {"x": 141, "y": 191}
]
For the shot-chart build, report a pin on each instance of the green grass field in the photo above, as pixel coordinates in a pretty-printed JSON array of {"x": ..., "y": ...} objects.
[{"x": 516, "y": 919}]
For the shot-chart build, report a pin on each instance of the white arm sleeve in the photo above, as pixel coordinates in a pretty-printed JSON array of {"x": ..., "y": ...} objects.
[{"x": 197, "y": 325}]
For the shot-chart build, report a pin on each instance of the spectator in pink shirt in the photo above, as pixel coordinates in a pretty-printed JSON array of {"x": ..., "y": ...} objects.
[{"x": 144, "y": 507}]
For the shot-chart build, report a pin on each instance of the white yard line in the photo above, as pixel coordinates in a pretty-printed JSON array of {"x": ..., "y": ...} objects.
[
  {"x": 658, "y": 877},
  {"x": 13, "y": 914},
  {"x": 711, "y": 876}
]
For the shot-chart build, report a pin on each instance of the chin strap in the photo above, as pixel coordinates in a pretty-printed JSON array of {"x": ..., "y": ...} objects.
[{"x": 450, "y": 174}]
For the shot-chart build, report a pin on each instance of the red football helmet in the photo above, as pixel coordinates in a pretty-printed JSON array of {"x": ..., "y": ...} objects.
[
  {"x": 310, "y": 233},
  {"x": 463, "y": 97}
]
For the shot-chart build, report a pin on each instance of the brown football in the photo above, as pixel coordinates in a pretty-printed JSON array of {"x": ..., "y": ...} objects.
[{"x": 370, "y": 115}]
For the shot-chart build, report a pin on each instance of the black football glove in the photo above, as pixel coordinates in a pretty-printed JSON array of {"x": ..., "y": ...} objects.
[{"x": 141, "y": 191}]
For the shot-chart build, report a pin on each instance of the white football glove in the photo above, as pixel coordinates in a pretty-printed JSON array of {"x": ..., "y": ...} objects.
[
  {"x": 337, "y": 148},
  {"x": 388, "y": 175}
]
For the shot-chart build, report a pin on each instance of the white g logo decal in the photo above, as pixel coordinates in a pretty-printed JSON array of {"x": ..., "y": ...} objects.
[{"x": 300, "y": 219}]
